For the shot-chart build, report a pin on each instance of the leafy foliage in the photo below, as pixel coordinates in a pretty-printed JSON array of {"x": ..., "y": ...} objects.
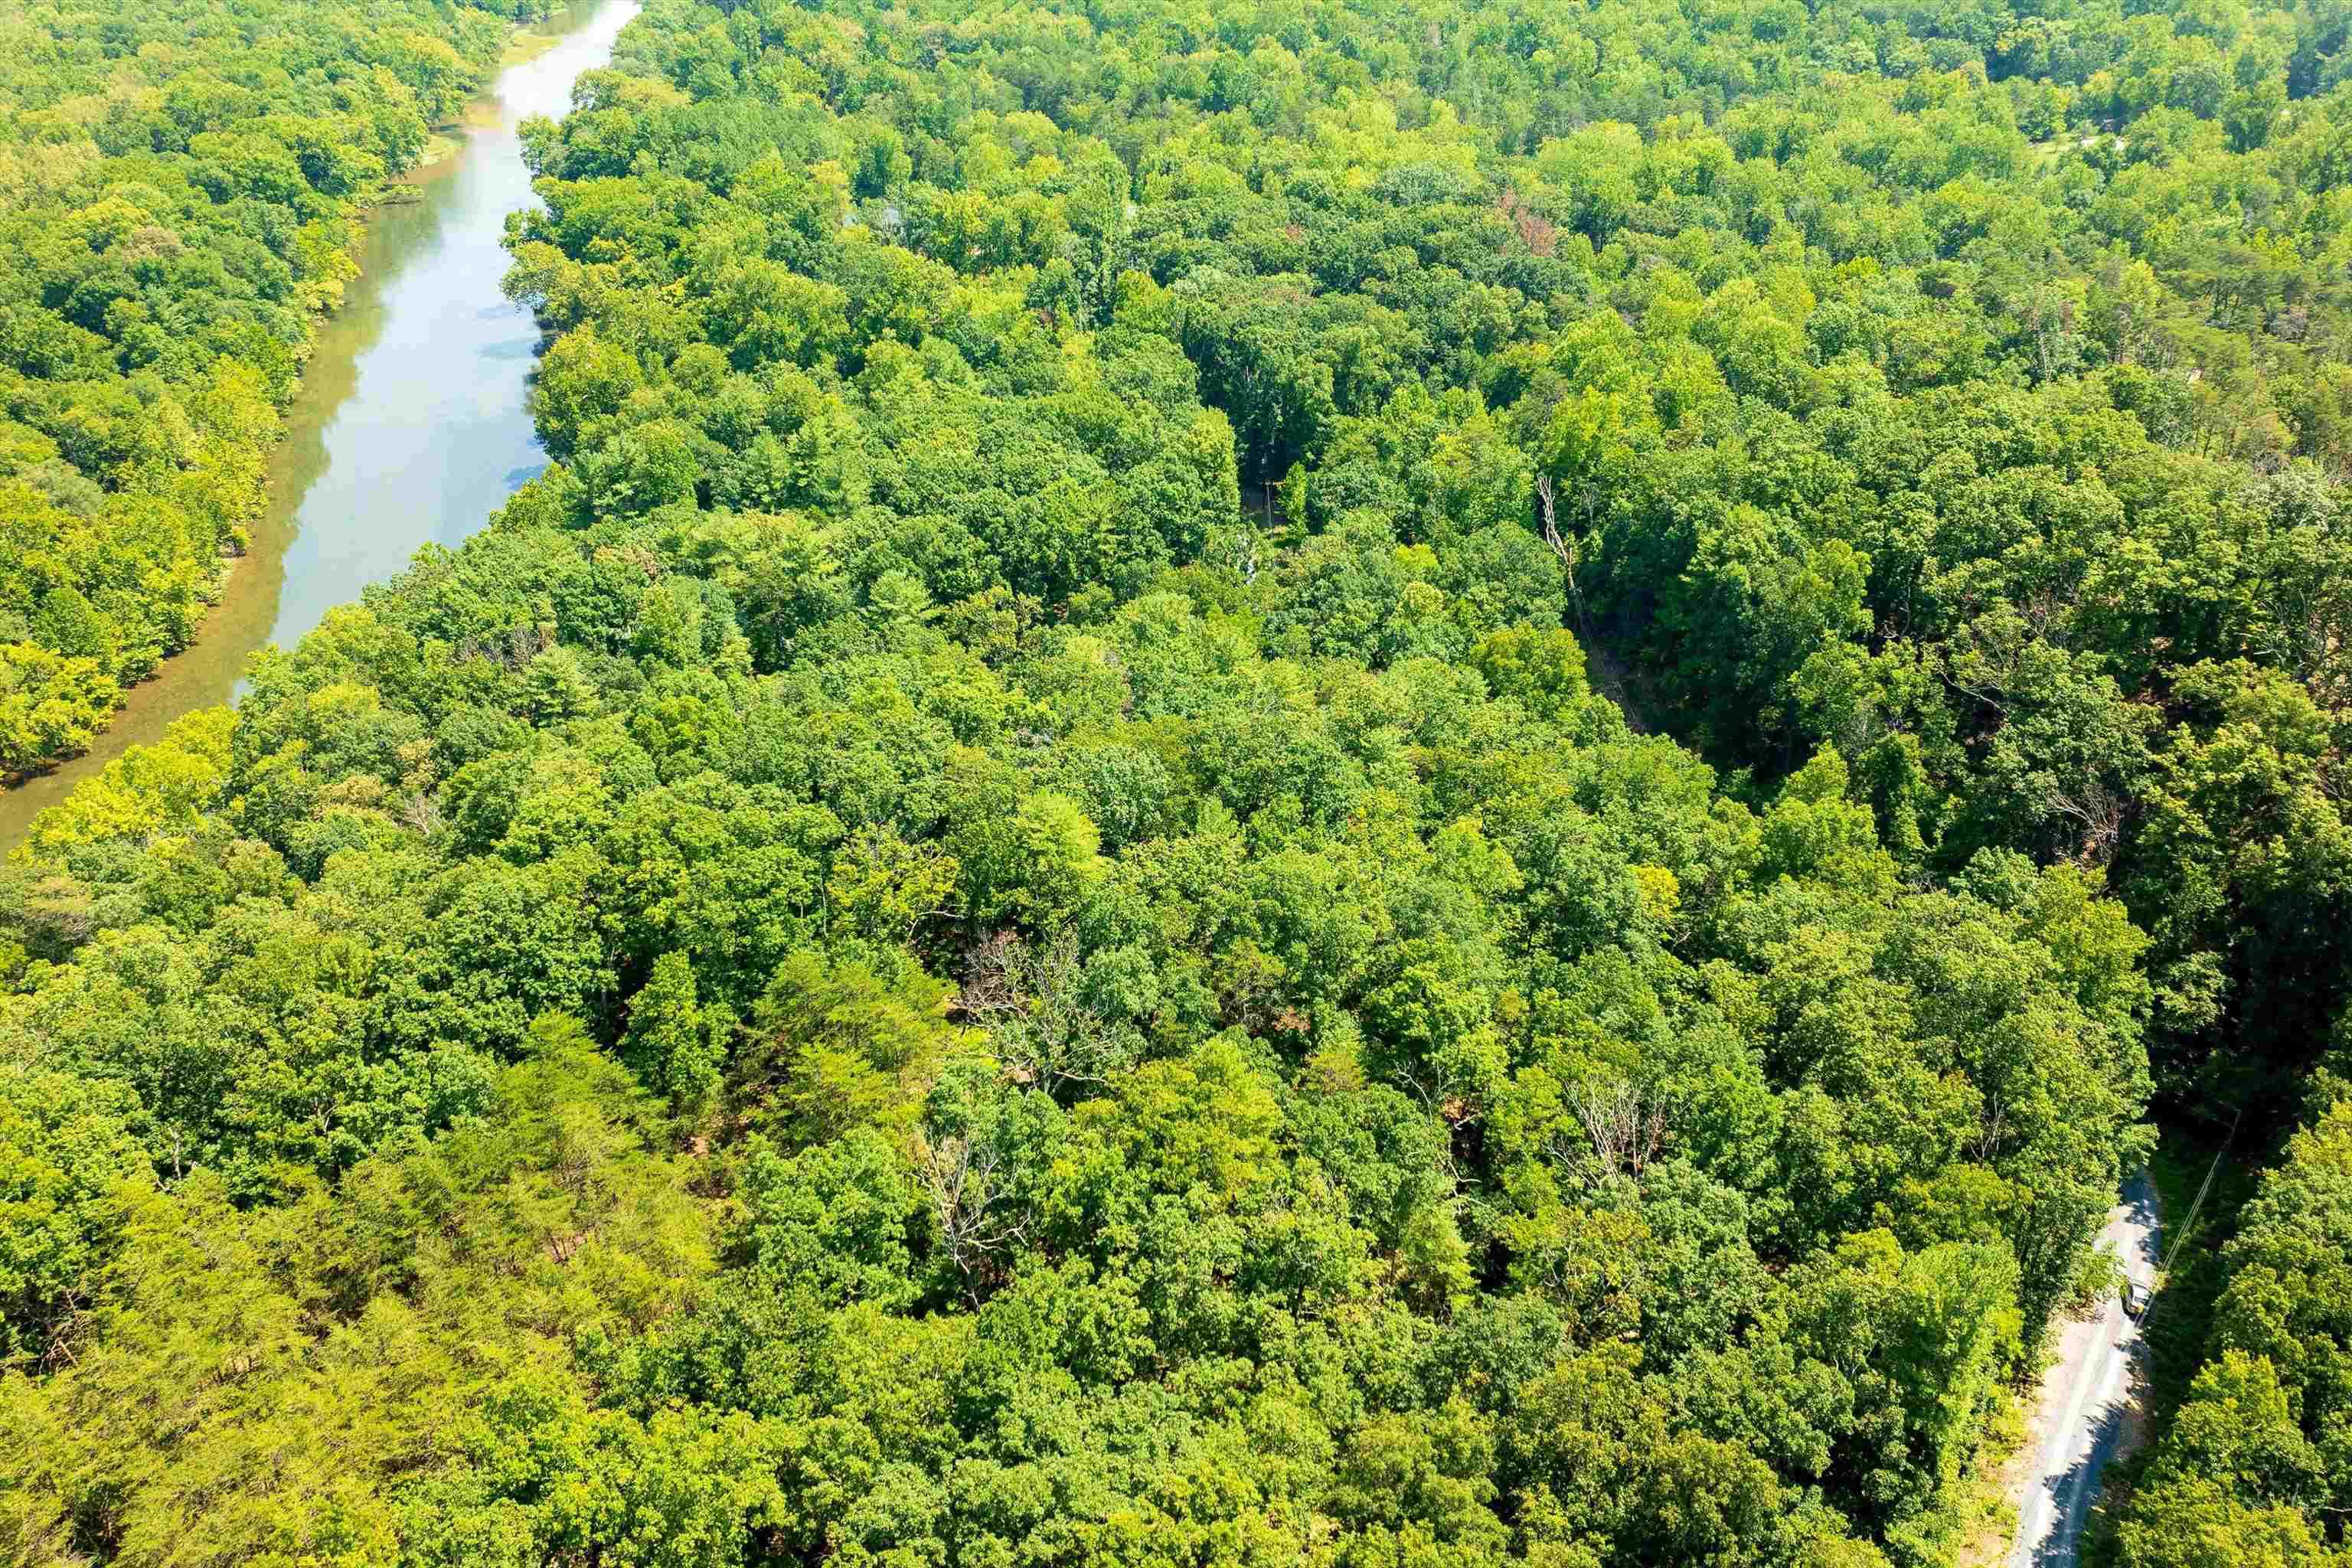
[
  {"x": 1002, "y": 919},
  {"x": 2253, "y": 1465},
  {"x": 179, "y": 186}
]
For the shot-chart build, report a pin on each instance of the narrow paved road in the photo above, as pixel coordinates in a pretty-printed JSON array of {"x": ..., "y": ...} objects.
[{"x": 2089, "y": 1417}]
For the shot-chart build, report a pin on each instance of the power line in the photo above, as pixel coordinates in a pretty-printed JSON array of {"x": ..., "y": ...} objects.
[{"x": 2180, "y": 1236}]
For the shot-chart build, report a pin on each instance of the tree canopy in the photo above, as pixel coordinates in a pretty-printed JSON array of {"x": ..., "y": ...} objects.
[{"x": 1313, "y": 782}]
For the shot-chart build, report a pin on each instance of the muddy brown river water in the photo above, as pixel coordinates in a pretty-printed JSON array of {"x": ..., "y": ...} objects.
[{"x": 412, "y": 423}]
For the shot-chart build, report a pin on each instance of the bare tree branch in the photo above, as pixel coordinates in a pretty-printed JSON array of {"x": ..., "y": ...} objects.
[{"x": 1625, "y": 1130}]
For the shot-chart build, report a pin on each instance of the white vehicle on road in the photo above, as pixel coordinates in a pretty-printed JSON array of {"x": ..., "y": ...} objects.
[{"x": 2088, "y": 1415}]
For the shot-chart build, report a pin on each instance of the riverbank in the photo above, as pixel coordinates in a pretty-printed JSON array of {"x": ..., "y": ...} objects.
[
  {"x": 410, "y": 424},
  {"x": 136, "y": 456},
  {"x": 526, "y": 44}
]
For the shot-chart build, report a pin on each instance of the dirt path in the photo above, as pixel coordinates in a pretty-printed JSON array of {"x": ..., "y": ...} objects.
[
  {"x": 2089, "y": 1414},
  {"x": 1610, "y": 676}
]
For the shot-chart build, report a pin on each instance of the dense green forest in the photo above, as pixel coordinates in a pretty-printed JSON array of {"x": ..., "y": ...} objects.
[
  {"x": 179, "y": 187},
  {"x": 1355, "y": 782},
  {"x": 2253, "y": 1464}
]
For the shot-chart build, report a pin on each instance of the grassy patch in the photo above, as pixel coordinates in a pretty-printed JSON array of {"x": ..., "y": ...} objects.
[
  {"x": 1989, "y": 1507},
  {"x": 526, "y": 45}
]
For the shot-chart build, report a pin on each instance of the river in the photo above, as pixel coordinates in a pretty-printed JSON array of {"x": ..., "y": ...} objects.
[{"x": 411, "y": 425}]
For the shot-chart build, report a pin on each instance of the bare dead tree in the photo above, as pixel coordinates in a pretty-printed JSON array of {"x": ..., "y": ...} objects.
[
  {"x": 1027, "y": 997},
  {"x": 1570, "y": 552},
  {"x": 991, "y": 967},
  {"x": 962, "y": 1175},
  {"x": 1992, "y": 1130},
  {"x": 1625, "y": 1130},
  {"x": 421, "y": 815},
  {"x": 1251, "y": 992},
  {"x": 71, "y": 1324},
  {"x": 2099, "y": 809},
  {"x": 1244, "y": 551},
  {"x": 527, "y": 643}
]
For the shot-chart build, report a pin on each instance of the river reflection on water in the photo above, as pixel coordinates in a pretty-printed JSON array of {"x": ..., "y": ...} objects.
[{"x": 411, "y": 425}]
